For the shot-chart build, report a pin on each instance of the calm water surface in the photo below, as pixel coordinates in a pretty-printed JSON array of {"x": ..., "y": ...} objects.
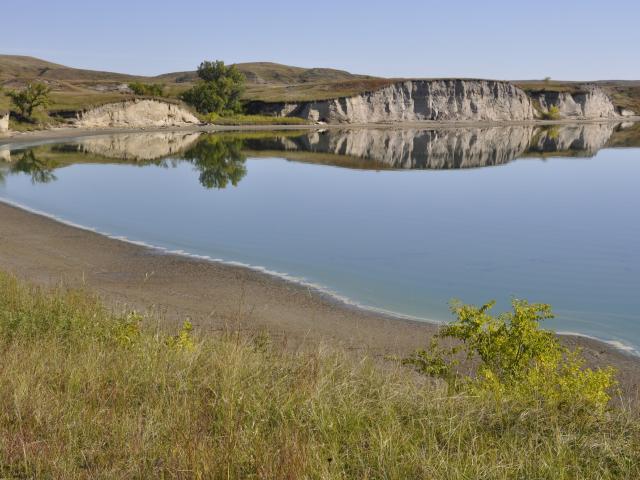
[{"x": 401, "y": 220}]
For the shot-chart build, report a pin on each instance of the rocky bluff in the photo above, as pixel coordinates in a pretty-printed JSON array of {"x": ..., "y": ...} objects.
[{"x": 446, "y": 100}]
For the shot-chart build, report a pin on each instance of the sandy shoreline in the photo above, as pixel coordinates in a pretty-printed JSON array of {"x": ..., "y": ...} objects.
[{"x": 216, "y": 295}]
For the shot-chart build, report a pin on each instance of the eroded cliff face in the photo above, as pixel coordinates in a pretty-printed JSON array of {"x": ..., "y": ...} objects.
[
  {"x": 136, "y": 113},
  {"x": 416, "y": 100},
  {"x": 589, "y": 104},
  {"x": 139, "y": 146},
  {"x": 448, "y": 100},
  {"x": 4, "y": 122}
]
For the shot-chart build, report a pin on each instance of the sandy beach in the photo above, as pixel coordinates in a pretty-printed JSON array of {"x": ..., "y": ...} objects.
[{"x": 215, "y": 296}]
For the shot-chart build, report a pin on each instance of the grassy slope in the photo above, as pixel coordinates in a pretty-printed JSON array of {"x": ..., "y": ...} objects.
[
  {"x": 85, "y": 393},
  {"x": 77, "y": 88}
]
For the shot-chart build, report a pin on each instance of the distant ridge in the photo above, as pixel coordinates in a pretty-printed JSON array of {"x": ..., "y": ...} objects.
[
  {"x": 266, "y": 81},
  {"x": 24, "y": 67}
]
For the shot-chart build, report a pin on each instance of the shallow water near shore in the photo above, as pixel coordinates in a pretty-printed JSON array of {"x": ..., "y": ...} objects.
[{"x": 399, "y": 220}]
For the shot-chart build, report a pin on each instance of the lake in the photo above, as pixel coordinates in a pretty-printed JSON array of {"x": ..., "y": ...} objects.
[{"x": 401, "y": 220}]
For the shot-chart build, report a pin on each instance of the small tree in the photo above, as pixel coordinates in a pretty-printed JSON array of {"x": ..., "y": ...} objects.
[
  {"x": 34, "y": 95},
  {"x": 219, "y": 89}
]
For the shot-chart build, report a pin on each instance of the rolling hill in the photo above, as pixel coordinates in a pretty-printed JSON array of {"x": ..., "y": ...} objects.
[
  {"x": 74, "y": 88},
  {"x": 265, "y": 81}
]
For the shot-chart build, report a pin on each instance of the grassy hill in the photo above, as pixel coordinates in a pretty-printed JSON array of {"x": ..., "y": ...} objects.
[{"x": 74, "y": 88}]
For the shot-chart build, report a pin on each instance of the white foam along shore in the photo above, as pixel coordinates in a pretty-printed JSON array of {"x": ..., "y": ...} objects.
[{"x": 300, "y": 281}]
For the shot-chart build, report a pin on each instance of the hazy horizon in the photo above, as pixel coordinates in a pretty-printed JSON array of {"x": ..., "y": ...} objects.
[{"x": 574, "y": 40}]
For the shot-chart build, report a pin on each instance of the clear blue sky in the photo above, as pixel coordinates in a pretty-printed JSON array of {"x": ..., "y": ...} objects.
[{"x": 564, "y": 39}]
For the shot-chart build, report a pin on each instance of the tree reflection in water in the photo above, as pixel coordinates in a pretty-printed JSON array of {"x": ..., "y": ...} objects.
[
  {"x": 219, "y": 160},
  {"x": 41, "y": 171}
]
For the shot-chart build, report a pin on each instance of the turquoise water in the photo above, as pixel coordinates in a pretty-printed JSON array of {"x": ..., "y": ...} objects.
[{"x": 561, "y": 230}]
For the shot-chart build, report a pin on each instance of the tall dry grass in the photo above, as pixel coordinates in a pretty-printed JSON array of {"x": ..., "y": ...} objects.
[{"x": 85, "y": 393}]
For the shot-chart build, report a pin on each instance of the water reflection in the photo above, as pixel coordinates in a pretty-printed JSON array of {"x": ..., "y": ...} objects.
[
  {"x": 139, "y": 147},
  {"x": 40, "y": 169},
  {"x": 220, "y": 157},
  {"x": 437, "y": 149},
  {"x": 219, "y": 160}
]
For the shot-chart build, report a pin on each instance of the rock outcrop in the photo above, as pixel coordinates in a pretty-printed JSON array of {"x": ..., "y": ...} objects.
[
  {"x": 136, "y": 113},
  {"x": 590, "y": 103},
  {"x": 4, "y": 122},
  {"x": 453, "y": 100},
  {"x": 416, "y": 100}
]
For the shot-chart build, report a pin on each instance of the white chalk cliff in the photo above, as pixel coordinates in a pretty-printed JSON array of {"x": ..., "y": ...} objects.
[
  {"x": 417, "y": 100},
  {"x": 588, "y": 104},
  {"x": 136, "y": 113},
  {"x": 454, "y": 100}
]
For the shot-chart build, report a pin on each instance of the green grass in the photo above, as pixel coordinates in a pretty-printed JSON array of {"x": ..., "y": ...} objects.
[
  {"x": 254, "y": 120},
  {"x": 85, "y": 393}
]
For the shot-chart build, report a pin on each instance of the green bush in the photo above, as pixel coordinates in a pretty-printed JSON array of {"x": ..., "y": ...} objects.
[
  {"x": 552, "y": 114},
  {"x": 516, "y": 360},
  {"x": 147, "y": 89}
]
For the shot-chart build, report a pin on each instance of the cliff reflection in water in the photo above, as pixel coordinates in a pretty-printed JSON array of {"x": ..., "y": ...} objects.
[
  {"x": 220, "y": 158},
  {"x": 453, "y": 148}
]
